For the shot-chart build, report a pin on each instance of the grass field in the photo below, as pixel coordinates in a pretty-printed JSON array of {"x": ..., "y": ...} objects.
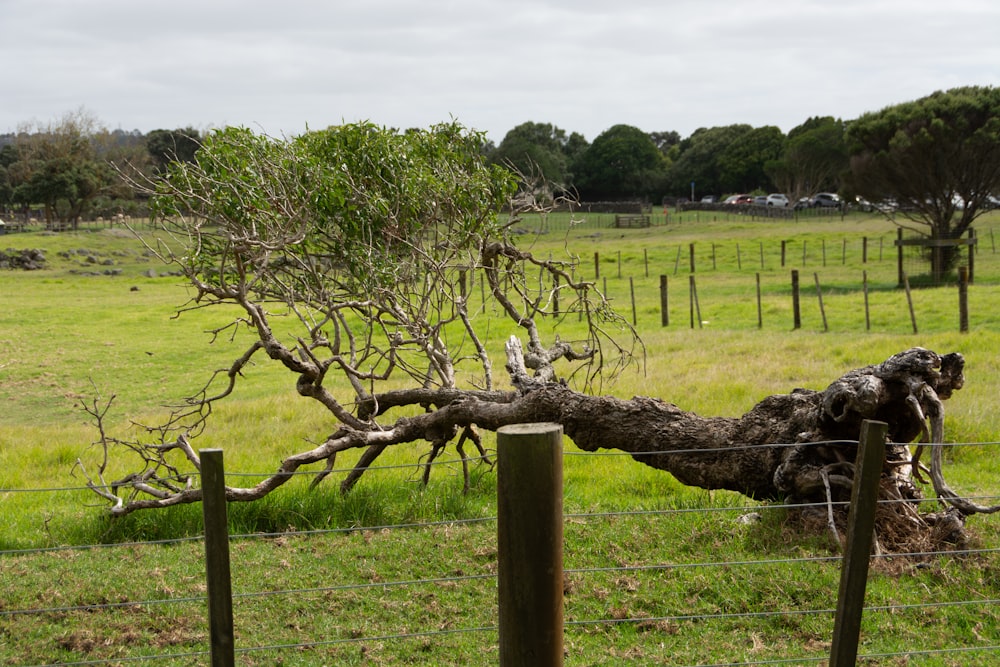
[{"x": 100, "y": 321}]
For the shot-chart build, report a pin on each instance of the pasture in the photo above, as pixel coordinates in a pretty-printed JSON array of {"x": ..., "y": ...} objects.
[{"x": 99, "y": 320}]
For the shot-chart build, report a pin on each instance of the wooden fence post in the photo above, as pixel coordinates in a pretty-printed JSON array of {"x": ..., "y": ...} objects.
[
  {"x": 220, "y": 594},
  {"x": 963, "y": 299},
  {"x": 860, "y": 535},
  {"x": 973, "y": 245},
  {"x": 555, "y": 294},
  {"x": 530, "y": 545},
  {"x": 899, "y": 257},
  {"x": 664, "y": 304},
  {"x": 909, "y": 302},
  {"x": 796, "y": 310},
  {"x": 631, "y": 289},
  {"x": 819, "y": 295},
  {"x": 695, "y": 306},
  {"x": 760, "y": 312}
]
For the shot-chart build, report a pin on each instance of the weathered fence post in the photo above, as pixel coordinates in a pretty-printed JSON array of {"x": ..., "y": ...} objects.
[
  {"x": 664, "y": 304},
  {"x": 530, "y": 544},
  {"x": 695, "y": 306},
  {"x": 973, "y": 245},
  {"x": 631, "y": 289},
  {"x": 220, "y": 594},
  {"x": 860, "y": 535},
  {"x": 796, "y": 310},
  {"x": 555, "y": 294},
  {"x": 963, "y": 299},
  {"x": 760, "y": 312},
  {"x": 899, "y": 257},
  {"x": 909, "y": 302},
  {"x": 819, "y": 295}
]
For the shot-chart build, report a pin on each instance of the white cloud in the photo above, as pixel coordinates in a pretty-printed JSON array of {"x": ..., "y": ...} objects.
[{"x": 492, "y": 64}]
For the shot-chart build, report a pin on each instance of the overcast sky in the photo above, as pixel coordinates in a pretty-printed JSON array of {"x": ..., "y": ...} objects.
[{"x": 280, "y": 66}]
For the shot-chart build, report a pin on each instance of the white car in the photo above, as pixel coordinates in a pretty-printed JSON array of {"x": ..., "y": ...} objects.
[{"x": 777, "y": 199}]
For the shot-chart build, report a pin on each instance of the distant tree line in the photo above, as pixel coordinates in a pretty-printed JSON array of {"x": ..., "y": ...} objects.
[
  {"x": 68, "y": 170},
  {"x": 937, "y": 159}
]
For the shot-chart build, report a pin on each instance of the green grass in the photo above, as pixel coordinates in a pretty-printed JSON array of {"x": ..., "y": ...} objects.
[{"x": 65, "y": 335}]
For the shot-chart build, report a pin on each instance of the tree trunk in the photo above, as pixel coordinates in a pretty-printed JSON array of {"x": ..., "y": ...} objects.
[{"x": 795, "y": 448}]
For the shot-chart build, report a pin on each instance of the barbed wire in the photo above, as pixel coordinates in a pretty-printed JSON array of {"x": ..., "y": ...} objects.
[
  {"x": 749, "y": 506},
  {"x": 488, "y": 458}
]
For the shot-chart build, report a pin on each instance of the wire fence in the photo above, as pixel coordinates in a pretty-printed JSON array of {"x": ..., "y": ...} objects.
[{"x": 761, "y": 609}]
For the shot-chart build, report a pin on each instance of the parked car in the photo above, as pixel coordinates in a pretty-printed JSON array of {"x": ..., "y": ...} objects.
[
  {"x": 760, "y": 200},
  {"x": 777, "y": 199},
  {"x": 738, "y": 199},
  {"x": 709, "y": 199},
  {"x": 804, "y": 202},
  {"x": 826, "y": 200}
]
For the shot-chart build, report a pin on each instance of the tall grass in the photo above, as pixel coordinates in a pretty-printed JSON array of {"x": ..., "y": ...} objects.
[{"x": 68, "y": 337}]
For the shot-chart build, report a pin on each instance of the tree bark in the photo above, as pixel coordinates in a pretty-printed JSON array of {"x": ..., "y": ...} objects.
[{"x": 798, "y": 447}]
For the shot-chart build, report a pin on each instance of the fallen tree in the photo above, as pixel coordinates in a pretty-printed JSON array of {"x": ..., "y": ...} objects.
[{"x": 364, "y": 239}]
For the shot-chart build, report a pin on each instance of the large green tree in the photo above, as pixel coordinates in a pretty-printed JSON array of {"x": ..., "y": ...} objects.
[
  {"x": 539, "y": 149},
  {"x": 622, "y": 163},
  {"x": 166, "y": 146},
  {"x": 741, "y": 162},
  {"x": 8, "y": 156},
  {"x": 813, "y": 160},
  {"x": 938, "y": 157},
  {"x": 698, "y": 161}
]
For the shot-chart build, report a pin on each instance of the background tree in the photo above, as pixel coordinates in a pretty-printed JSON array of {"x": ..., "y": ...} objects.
[
  {"x": 667, "y": 142},
  {"x": 65, "y": 166},
  {"x": 814, "y": 159},
  {"x": 541, "y": 149},
  {"x": 8, "y": 156},
  {"x": 166, "y": 146},
  {"x": 698, "y": 160},
  {"x": 622, "y": 163},
  {"x": 346, "y": 255},
  {"x": 938, "y": 157},
  {"x": 741, "y": 162}
]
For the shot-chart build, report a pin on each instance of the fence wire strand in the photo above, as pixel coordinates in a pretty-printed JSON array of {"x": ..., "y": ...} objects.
[{"x": 583, "y": 571}]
